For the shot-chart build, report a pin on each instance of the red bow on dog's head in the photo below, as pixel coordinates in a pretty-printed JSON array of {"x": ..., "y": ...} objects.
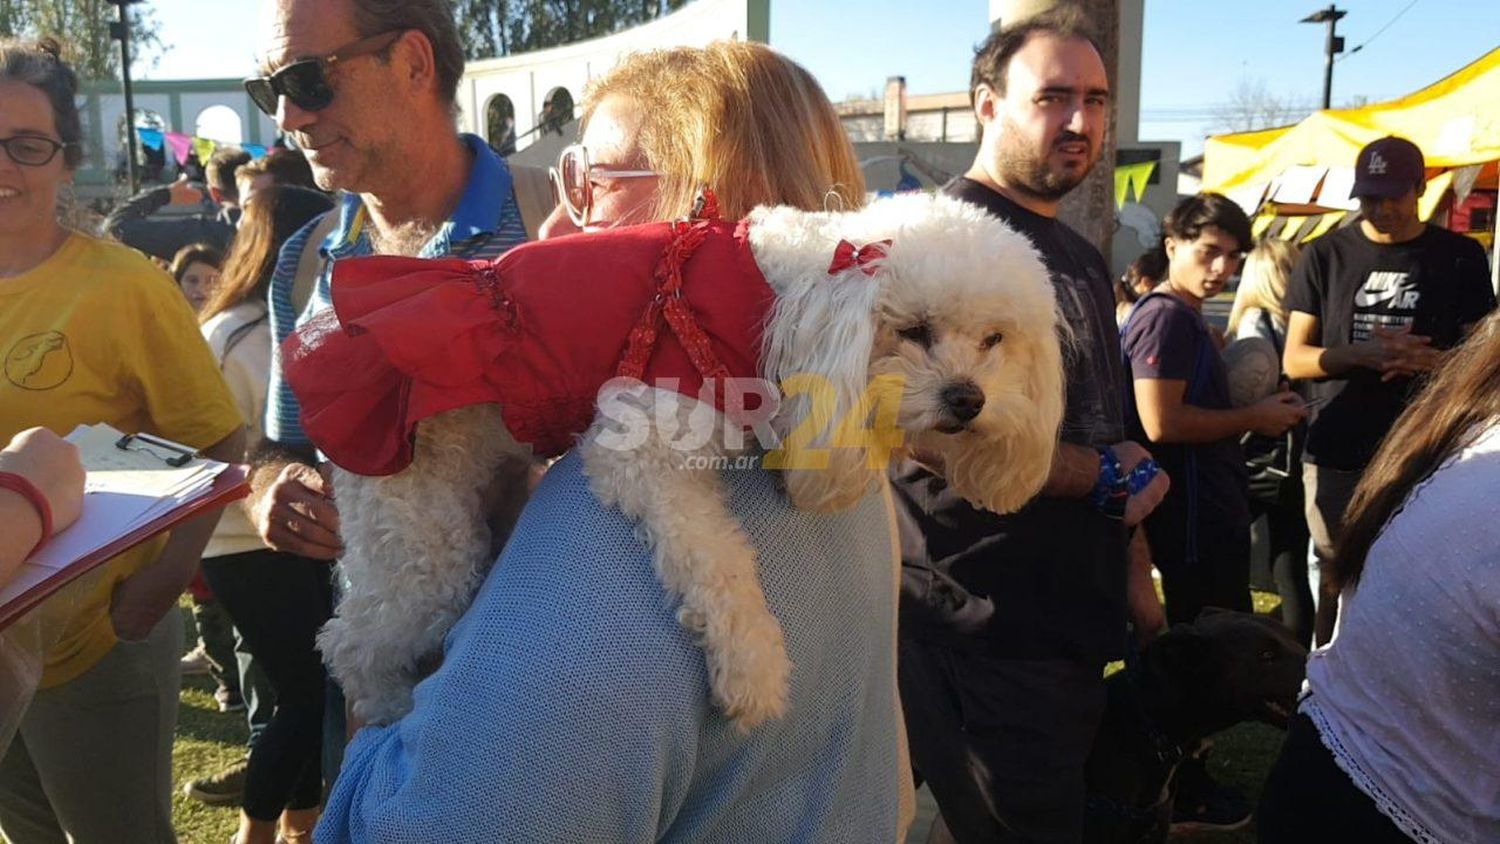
[{"x": 847, "y": 257}]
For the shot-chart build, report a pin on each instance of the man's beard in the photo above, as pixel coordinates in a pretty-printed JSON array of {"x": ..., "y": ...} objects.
[{"x": 1022, "y": 168}]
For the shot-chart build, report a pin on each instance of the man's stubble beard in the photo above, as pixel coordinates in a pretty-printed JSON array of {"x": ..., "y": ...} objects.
[{"x": 1020, "y": 168}]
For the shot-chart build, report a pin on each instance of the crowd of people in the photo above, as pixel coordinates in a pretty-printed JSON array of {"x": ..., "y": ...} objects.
[{"x": 931, "y": 641}]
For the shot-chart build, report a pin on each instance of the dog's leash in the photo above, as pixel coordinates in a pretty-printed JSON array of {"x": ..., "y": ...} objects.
[{"x": 1167, "y": 754}]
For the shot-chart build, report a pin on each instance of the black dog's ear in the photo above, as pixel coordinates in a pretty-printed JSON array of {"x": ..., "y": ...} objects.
[{"x": 1184, "y": 652}]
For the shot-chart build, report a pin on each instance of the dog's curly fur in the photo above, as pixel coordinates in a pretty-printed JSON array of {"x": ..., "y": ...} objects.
[{"x": 418, "y": 543}]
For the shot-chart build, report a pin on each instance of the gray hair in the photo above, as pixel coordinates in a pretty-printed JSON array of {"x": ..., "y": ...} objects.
[
  {"x": 40, "y": 65},
  {"x": 432, "y": 18}
]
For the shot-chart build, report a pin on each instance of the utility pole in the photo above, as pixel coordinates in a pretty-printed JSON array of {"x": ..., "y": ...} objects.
[
  {"x": 119, "y": 29},
  {"x": 1334, "y": 46}
]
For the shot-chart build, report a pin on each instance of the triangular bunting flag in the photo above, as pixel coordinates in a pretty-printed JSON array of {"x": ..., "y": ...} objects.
[
  {"x": 255, "y": 150},
  {"x": 151, "y": 138},
  {"x": 204, "y": 148},
  {"x": 1140, "y": 174},
  {"x": 181, "y": 145},
  {"x": 1122, "y": 184}
]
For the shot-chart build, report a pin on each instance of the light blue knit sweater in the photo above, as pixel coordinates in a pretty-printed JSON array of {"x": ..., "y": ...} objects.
[{"x": 571, "y": 707}]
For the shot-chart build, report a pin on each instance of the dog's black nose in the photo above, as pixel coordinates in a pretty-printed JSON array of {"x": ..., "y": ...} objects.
[{"x": 964, "y": 399}]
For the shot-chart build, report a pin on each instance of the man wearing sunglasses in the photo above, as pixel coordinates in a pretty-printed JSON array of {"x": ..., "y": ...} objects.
[{"x": 367, "y": 90}]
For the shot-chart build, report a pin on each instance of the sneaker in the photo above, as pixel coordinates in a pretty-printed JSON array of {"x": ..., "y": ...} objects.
[
  {"x": 224, "y": 788},
  {"x": 229, "y": 700},
  {"x": 1222, "y": 810},
  {"x": 194, "y": 661}
]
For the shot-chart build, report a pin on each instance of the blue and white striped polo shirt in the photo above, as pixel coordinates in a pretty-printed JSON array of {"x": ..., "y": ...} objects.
[{"x": 485, "y": 225}]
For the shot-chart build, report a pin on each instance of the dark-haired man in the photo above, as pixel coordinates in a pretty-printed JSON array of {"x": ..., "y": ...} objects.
[
  {"x": 140, "y": 224},
  {"x": 1007, "y": 622},
  {"x": 1179, "y": 402},
  {"x": 1370, "y": 307}
]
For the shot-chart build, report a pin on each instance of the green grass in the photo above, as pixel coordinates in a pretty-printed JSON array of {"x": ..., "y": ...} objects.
[{"x": 208, "y": 741}]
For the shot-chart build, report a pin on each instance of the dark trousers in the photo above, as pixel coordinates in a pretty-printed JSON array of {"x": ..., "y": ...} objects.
[
  {"x": 1287, "y": 541},
  {"x": 1308, "y": 798},
  {"x": 278, "y": 601},
  {"x": 1215, "y": 574},
  {"x": 1001, "y": 743}
]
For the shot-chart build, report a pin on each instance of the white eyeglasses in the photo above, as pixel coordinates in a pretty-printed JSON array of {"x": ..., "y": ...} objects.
[{"x": 573, "y": 181}]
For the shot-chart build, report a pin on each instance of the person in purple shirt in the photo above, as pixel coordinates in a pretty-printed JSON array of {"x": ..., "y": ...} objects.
[{"x": 1179, "y": 402}]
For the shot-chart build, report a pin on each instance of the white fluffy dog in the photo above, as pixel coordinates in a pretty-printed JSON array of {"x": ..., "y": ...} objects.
[{"x": 948, "y": 335}]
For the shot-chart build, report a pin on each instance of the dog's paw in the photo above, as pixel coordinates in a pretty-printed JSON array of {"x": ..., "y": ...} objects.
[
  {"x": 750, "y": 677},
  {"x": 692, "y": 620}
]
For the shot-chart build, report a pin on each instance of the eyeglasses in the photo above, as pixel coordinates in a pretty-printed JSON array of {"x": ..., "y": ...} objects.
[
  {"x": 32, "y": 150},
  {"x": 305, "y": 81},
  {"x": 573, "y": 181}
]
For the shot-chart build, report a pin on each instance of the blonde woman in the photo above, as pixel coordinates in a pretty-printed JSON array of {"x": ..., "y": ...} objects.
[
  {"x": 1258, "y": 309},
  {"x": 571, "y": 705},
  {"x": 1275, "y": 492}
]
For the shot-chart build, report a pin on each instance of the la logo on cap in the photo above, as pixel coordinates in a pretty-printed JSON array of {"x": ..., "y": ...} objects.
[{"x": 1376, "y": 166}]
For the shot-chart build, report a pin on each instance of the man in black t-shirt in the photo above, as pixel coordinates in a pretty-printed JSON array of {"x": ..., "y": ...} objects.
[
  {"x": 1370, "y": 307},
  {"x": 1007, "y": 621}
]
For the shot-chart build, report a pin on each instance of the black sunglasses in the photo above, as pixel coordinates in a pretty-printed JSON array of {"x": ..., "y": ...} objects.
[{"x": 305, "y": 81}]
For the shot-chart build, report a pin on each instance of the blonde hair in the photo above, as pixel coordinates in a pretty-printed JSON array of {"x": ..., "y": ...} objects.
[
  {"x": 741, "y": 118},
  {"x": 1263, "y": 281}
]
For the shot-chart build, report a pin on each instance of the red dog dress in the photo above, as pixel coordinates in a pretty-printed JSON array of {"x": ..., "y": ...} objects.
[{"x": 537, "y": 331}]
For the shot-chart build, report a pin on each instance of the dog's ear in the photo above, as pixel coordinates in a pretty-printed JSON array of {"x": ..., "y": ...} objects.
[
  {"x": 818, "y": 344},
  {"x": 1184, "y": 652},
  {"x": 1004, "y": 469}
]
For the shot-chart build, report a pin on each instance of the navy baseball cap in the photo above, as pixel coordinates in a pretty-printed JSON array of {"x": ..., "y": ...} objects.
[{"x": 1388, "y": 168}]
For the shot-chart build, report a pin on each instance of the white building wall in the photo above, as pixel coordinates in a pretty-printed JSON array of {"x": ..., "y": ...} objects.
[{"x": 527, "y": 78}]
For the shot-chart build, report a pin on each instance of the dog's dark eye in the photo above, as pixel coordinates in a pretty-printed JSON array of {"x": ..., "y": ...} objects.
[
  {"x": 993, "y": 340},
  {"x": 921, "y": 334}
]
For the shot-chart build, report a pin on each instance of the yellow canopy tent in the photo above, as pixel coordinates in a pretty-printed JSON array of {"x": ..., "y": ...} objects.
[
  {"x": 1456, "y": 122},
  {"x": 1299, "y": 176}
]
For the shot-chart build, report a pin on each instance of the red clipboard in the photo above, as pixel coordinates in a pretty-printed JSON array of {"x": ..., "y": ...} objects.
[{"x": 230, "y": 485}]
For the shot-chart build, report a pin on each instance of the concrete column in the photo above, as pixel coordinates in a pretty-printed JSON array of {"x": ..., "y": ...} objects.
[{"x": 895, "y": 108}]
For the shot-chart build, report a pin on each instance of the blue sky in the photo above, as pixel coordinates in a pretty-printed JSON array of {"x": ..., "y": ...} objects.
[{"x": 1195, "y": 51}]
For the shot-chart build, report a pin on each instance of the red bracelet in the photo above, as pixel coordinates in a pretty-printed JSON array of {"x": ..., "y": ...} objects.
[{"x": 28, "y": 491}]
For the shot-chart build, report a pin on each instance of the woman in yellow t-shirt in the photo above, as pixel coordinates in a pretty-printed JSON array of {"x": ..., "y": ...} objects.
[{"x": 91, "y": 331}]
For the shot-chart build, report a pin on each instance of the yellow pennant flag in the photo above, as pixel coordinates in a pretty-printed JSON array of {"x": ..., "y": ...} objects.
[
  {"x": 1293, "y": 225},
  {"x": 1140, "y": 174},
  {"x": 204, "y": 149},
  {"x": 1122, "y": 184}
]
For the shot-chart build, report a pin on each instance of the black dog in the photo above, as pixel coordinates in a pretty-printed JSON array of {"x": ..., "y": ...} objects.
[{"x": 1195, "y": 680}]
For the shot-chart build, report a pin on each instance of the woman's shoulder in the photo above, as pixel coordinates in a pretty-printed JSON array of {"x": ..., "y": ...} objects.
[
  {"x": 124, "y": 263},
  {"x": 96, "y": 265},
  {"x": 1253, "y": 323},
  {"x": 241, "y": 321}
]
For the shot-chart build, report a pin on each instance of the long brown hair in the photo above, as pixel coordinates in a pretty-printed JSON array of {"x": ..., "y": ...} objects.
[
  {"x": 1461, "y": 397},
  {"x": 268, "y": 219},
  {"x": 744, "y": 119}
]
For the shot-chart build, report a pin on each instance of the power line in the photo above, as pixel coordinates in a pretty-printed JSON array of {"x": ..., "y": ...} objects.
[{"x": 1388, "y": 24}]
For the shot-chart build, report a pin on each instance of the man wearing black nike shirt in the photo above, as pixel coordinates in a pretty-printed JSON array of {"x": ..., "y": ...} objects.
[
  {"x": 1371, "y": 307},
  {"x": 1007, "y": 621}
]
